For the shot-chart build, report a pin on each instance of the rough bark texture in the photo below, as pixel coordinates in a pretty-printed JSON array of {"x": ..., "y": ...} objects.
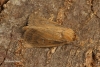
[{"x": 83, "y": 16}]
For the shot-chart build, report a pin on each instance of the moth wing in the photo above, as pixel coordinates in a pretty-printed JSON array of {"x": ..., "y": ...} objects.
[{"x": 34, "y": 39}]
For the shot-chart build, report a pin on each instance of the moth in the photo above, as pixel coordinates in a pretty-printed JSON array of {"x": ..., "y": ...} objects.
[{"x": 41, "y": 32}]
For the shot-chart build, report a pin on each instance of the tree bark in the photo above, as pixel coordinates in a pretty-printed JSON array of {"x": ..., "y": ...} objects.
[{"x": 83, "y": 16}]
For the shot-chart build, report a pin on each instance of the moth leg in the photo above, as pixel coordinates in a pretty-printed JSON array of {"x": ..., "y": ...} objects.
[{"x": 50, "y": 53}]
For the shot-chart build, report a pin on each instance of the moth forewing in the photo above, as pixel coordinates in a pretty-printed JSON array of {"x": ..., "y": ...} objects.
[{"x": 34, "y": 38}]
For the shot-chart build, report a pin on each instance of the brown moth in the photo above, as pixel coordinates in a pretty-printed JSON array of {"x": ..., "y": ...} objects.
[{"x": 42, "y": 32}]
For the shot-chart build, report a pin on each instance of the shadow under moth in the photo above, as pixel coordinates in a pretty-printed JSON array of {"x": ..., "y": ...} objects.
[{"x": 42, "y": 32}]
